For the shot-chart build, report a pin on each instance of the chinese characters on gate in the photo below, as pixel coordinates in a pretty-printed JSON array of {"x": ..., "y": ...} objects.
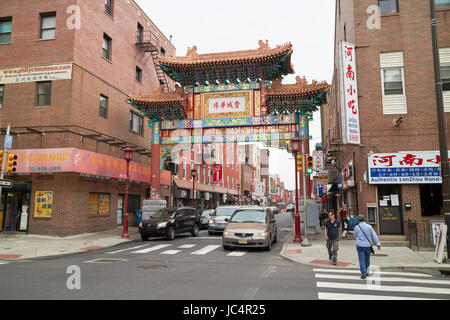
[
  {"x": 227, "y": 105},
  {"x": 349, "y": 92},
  {"x": 406, "y": 167}
]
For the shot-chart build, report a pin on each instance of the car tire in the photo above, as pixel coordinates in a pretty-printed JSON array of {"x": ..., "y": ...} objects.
[
  {"x": 228, "y": 248},
  {"x": 269, "y": 246},
  {"x": 144, "y": 237},
  {"x": 170, "y": 235},
  {"x": 195, "y": 230}
]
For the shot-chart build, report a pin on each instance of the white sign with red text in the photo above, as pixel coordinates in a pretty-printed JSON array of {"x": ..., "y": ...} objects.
[
  {"x": 411, "y": 167},
  {"x": 349, "y": 94},
  {"x": 225, "y": 105}
]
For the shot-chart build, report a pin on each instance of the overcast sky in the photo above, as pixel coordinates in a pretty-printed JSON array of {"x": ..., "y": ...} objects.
[{"x": 218, "y": 26}]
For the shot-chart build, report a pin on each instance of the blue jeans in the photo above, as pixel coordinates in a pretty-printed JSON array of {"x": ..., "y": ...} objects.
[{"x": 364, "y": 259}]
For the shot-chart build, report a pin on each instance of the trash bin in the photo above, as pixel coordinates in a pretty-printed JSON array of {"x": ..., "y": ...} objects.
[{"x": 138, "y": 217}]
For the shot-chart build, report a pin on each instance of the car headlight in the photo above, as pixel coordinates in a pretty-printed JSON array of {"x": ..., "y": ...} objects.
[
  {"x": 162, "y": 224},
  {"x": 211, "y": 221},
  {"x": 261, "y": 234},
  {"x": 227, "y": 233}
]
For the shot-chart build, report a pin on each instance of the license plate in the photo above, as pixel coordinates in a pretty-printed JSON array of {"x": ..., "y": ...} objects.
[{"x": 242, "y": 241}]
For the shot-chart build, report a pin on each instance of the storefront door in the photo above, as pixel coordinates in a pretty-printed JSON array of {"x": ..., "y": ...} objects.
[
  {"x": 12, "y": 211},
  {"x": 390, "y": 213}
]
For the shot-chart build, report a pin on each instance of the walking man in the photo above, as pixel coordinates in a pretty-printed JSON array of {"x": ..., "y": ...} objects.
[
  {"x": 332, "y": 234},
  {"x": 365, "y": 236}
]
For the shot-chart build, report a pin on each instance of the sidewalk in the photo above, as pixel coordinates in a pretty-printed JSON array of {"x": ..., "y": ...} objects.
[
  {"x": 392, "y": 258},
  {"x": 20, "y": 246}
]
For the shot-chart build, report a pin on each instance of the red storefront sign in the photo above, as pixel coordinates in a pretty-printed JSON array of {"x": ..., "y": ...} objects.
[{"x": 217, "y": 173}]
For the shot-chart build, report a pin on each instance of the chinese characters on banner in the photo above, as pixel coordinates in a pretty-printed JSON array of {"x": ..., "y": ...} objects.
[
  {"x": 43, "y": 204},
  {"x": 225, "y": 105},
  {"x": 405, "y": 168},
  {"x": 349, "y": 94}
]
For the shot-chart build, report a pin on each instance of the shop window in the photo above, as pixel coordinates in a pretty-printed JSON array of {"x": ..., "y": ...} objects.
[
  {"x": 5, "y": 29},
  {"x": 431, "y": 199},
  {"x": 48, "y": 26},
  {"x": 98, "y": 204}
]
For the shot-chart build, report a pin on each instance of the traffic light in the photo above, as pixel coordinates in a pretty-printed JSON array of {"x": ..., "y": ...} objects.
[
  {"x": 11, "y": 162},
  {"x": 309, "y": 164},
  {"x": 299, "y": 163}
]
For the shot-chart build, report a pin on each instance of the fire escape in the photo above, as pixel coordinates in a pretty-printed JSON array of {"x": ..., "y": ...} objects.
[{"x": 149, "y": 42}]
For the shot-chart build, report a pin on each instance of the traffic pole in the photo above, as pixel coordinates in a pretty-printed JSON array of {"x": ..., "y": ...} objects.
[
  {"x": 305, "y": 242},
  {"x": 2, "y": 169}
]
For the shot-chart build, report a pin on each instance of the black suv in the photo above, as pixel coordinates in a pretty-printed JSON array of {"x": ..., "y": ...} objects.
[{"x": 167, "y": 222}]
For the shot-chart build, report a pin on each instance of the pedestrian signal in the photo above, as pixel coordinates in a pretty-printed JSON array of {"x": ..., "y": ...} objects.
[
  {"x": 309, "y": 164},
  {"x": 299, "y": 162},
  {"x": 12, "y": 163}
]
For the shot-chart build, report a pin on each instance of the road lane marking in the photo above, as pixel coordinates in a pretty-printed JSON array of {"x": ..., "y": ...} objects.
[
  {"x": 187, "y": 246},
  {"x": 206, "y": 249},
  {"x": 380, "y": 272},
  {"x": 252, "y": 291},
  {"x": 237, "y": 253},
  {"x": 383, "y": 279},
  {"x": 170, "y": 252},
  {"x": 128, "y": 249},
  {"x": 147, "y": 250},
  {"x": 365, "y": 287},
  {"x": 348, "y": 296}
]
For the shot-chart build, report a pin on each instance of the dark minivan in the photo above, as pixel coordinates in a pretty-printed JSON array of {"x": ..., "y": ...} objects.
[{"x": 168, "y": 222}]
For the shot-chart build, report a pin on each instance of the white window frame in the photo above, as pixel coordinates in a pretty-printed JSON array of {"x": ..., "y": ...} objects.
[{"x": 403, "y": 81}]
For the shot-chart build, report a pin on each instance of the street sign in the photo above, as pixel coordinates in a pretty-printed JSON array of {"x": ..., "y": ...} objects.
[
  {"x": 8, "y": 142},
  {"x": 6, "y": 183}
]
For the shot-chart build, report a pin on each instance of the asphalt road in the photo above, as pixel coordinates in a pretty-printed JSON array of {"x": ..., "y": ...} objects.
[{"x": 184, "y": 269}]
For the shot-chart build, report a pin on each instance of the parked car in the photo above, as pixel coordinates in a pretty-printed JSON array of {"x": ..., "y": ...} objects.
[
  {"x": 290, "y": 208},
  {"x": 206, "y": 214},
  {"x": 217, "y": 223},
  {"x": 168, "y": 222},
  {"x": 250, "y": 227}
]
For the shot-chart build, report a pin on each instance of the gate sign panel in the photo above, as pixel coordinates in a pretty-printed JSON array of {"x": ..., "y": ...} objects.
[
  {"x": 405, "y": 167},
  {"x": 318, "y": 160},
  {"x": 221, "y": 105},
  {"x": 217, "y": 173}
]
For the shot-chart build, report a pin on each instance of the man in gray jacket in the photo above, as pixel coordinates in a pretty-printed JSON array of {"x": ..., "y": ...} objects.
[{"x": 365, "y": 236}]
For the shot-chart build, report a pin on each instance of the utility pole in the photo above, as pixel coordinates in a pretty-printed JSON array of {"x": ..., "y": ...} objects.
[{"x": 441, "y": 124}]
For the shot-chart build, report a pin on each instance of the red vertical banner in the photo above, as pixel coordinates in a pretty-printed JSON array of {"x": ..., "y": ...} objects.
[{"x": 217, "y": 173}]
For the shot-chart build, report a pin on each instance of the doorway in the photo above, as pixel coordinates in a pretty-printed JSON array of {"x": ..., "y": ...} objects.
[
  {"x": 13, "y": 204},
  {"x": 390, "y": 213}
]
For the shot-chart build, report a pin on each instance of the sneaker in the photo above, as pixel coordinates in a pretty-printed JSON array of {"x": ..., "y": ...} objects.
[
  {"x": 330, "y": 258},
  {"x": 334, "y": 262},
  {"x": 363, "y": 277}
]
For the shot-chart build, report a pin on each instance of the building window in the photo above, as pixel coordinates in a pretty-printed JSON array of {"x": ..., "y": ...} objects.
[
  {"x": 445, "y": 75},
  {"x": 388, "y": 6},
  {"x": 5, "y": 29},
  {"x": 43, "y": 93},
  {"x": 106, "y": 47},
  {"x": 48, "y": 26},
  {"x": 392, "y": 81},
  {"x": 136, "y": 123},
  {"x": 163, "y": 52},
  {"x": 138, "y": 74},
  {"x": 103, "y": 106},
  {"x": 109, "y": 7},
  {"x": 192, "y": 167},
  {"x": 2, "y": 91},
  {"x": 98, "y": 204},
  {"x": 442, "y": 3},
  {"x": 140, "y": 33},
  {"x": 431, "y": 202}
]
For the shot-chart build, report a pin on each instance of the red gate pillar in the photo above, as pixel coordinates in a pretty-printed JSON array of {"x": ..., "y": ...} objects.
[{"x": 156, "y": 152}]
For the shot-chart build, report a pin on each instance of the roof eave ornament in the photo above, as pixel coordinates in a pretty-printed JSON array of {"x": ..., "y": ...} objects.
[
  {"x": 192, "y": 52},
  {"x": 264, "y": 45}
]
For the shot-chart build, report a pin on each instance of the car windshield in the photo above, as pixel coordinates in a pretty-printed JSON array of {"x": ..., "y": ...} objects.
[
  {"x": 225, "y": 211},
  {"x": 164, "y": 213},
  {"x": 254, "y": 216},
  {"x": 206, "y": 213}
]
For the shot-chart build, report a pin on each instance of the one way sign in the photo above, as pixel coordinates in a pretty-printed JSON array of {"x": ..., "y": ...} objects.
[{"x": 6, "y": 183}]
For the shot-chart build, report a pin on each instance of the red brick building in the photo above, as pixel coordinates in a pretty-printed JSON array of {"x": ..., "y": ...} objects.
[
  {"x": 397, "y": 116},
  {"x": 66, "y": 69}
]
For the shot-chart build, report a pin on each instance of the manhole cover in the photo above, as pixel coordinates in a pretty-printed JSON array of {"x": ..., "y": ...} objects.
[
  {"x": 101, "y": 260},
  {"x": 152, "y": 267},
  {"x": 380, "y": 255}
]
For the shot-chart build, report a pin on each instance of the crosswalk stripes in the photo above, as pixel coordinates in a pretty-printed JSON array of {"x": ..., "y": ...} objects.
[
  {"x": 203, "y": 251},
  {"x": 382, "y": 285}
]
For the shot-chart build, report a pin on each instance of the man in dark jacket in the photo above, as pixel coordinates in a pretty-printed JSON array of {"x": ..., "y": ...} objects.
[{"x": 332, "y": 235}]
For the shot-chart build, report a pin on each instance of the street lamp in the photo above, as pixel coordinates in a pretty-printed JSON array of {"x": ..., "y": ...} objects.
[
  {"x": 193, "y": 174},
  {"x": 295, "y": 143},
  {"x": 128, "y": 156},
  {"x": 239, "y": 194}
]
